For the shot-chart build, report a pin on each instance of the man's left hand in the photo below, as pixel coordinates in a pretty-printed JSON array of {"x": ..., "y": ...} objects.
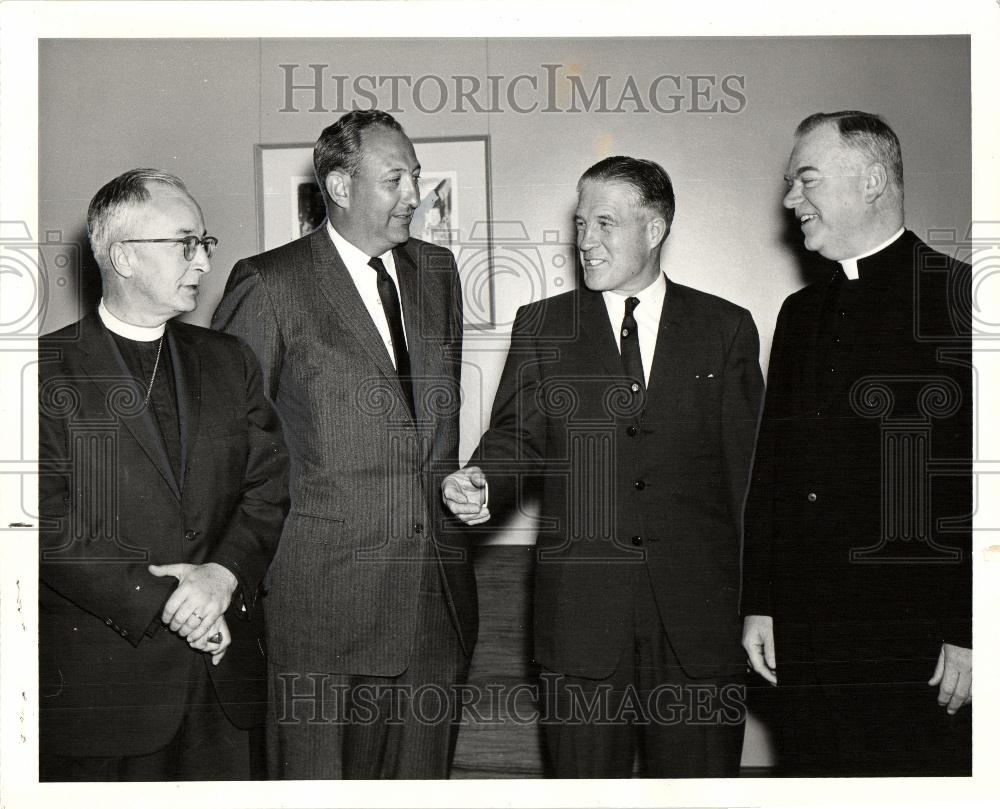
[
  {"x": 954, "y": 675},
  {"x": 203, "y": 594}
]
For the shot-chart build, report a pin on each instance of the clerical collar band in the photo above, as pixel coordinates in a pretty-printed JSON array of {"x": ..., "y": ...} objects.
[
  {"x": 850, "y": 265},
  {"x": 143, "y": 334}
]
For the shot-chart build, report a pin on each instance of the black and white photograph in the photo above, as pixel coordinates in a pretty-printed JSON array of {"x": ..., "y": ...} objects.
[{"x": 568, "y": 402}]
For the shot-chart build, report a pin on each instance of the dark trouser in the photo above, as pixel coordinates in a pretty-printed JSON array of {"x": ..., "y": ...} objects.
[
  {"x": 323, "y": 725},
  {"x": 682, "y": 727},
  {"x": 206, "y": 747}
]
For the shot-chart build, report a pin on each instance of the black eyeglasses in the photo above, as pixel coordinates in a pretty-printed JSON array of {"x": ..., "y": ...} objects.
[{"x": 190, "y": 244}]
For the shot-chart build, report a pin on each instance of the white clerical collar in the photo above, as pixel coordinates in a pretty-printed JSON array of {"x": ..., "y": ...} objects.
[
  {"x": 351, "y": 255},
  {"x": 850, "y": 265},
  {"x": 144, "y": 334}
]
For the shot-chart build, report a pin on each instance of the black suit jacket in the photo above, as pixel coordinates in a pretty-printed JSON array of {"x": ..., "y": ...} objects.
[
  {"x": 366, "y": 514},
  {"x": 658, "y": 488},
  {"x": 113, "y": 681},
  {"x": 858, "y": 519}
]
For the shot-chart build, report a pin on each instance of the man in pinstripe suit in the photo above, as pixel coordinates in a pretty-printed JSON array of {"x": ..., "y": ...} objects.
[{"x": 372, "y": 617}]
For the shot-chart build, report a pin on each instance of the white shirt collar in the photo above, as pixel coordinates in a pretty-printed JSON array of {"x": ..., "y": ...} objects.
[
  {"x": 353, "y": 256},
  {"x": 144, "y": 334},
  {"x": 850, "y": 265},
  {"x": 651, "y": 297}
]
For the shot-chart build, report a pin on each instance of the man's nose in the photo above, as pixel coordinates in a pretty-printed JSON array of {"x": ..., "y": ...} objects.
[
  {"x": 585, "y": 240},
  {"x": 411, "y": 192},
  {"x": 792, "y": 197},
  {"x": 201, "y": 261}
]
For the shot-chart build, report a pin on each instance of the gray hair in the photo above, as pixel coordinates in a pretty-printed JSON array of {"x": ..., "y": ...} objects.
[
  {"x": 108, "y": 214},
  {"x": 865, "y": 132}
]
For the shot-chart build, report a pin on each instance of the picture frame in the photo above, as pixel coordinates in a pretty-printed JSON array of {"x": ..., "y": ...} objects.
[{"x": 455, "y": 208}]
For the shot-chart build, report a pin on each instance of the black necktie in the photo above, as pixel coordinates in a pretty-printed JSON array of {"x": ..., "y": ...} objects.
[
  {"x": 631, "y": 356},
  {"x": 394, "y": 315}
]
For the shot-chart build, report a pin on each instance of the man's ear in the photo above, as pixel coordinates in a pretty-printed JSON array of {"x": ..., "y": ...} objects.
[
  {"x": 876, "y": 181},
  {"x": 121, "y": 260},
  {"x": 338, "y": 188},
  {"x": 656, "y": 231}
]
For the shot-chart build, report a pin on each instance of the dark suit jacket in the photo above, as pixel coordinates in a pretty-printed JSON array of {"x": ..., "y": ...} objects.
[
  {"x": 658, "y": 489},
  {"x": 366, "y": 513},
  {"x": 858, "y": 518},
  {"x": 113, "y": 681}
]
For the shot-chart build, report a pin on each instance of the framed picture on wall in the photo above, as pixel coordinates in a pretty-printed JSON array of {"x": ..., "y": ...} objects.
[{"x": 454, "y": 208}]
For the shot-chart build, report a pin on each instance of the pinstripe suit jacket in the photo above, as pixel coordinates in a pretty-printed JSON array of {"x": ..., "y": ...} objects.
[{"x": 366, "y": 514}]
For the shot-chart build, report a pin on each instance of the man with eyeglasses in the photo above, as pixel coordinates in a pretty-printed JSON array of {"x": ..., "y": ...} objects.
[{"x": 163, "y": 488}]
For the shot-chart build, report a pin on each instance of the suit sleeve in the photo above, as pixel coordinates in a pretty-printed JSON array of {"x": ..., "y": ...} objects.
[
  {"x": 744, "y": 385},
  {"x": 514, "y": 445},
  {"x": 758, "y": 516},
  {"x": 251, "y": 535},
  {"x": 73, "y": 559}
]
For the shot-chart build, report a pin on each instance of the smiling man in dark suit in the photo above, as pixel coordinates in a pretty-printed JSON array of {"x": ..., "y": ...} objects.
[
  {"x": 635, "y": 399},
  {"x": 857, "y": 576},
  {"x": 371, "y": 617},
  {"x": 162, "y": 494}
]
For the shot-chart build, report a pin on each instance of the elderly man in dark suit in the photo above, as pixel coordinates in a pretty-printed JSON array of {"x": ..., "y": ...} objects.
[
  {"x": 371, "y": 616},
  {"x": 635, "y": 399},
  {"x": 857, "y": 567},
  {"x": 163, "y": 490}
]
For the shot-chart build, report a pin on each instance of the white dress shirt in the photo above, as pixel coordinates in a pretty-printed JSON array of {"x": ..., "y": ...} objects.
[
  {"x": 366, "y": 281},
  {"x": 647, "y": 318}
]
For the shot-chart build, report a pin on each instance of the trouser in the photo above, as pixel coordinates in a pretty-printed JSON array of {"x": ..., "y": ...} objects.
[
  {"x": 682, "y": 727},
  {"x": 334, "y": 725}
]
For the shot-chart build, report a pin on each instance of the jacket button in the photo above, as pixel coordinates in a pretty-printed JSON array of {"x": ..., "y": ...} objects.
[
  {"x": 637, "y": 540},
  {"x": 811, "y": 497},
  {"x": 632, "y": 430},
  {"x": 418, "y": 528},
  {"x": 190, "y": 534},
  {"x": 640, "y": 485},
  {"x": 634, "y": 387},
  {"x": 108, "y": 621}
]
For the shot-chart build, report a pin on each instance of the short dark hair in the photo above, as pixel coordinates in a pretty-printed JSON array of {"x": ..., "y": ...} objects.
[
  {"x": 649, "y": 180},
  {"x": 339, "y": 145},
  {"x": 107, "y": 216},
  {"x": 864, "y": 131}
]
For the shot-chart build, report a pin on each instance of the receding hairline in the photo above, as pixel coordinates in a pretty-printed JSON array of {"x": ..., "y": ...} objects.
[{"x": 634, "y": 193}]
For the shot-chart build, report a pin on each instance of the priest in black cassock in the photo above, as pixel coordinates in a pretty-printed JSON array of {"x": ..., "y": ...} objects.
[
  {"x": 857, "y": 592},
  {"x": 163, "y": 491}
]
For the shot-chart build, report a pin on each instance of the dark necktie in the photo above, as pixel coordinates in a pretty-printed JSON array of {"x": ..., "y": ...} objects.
[
  {"x": 631, "y": 356},
  {"x": 393, "y": 314}
]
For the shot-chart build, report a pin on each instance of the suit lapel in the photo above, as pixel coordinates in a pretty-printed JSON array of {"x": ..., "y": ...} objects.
[
  {"x": 335, "y": 282},
  {"x": 597, "y": 329},
  {"x": 676, "y": 340},
  {"x": 106, "y": 369},
  {"x": 187, "y": 376}
]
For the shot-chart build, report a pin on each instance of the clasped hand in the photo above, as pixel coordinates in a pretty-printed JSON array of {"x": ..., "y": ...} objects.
[{"x": 196, "y": 607}]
